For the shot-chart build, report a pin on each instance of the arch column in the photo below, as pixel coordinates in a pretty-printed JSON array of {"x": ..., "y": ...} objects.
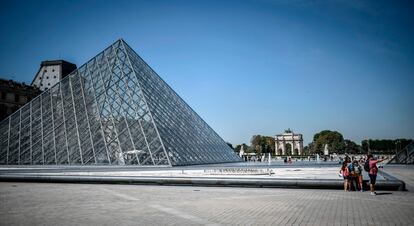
[
  {"x": 297, "y": 148},
  {"x": 301, "y": 148},
  {"x": 276, "y": 147}
]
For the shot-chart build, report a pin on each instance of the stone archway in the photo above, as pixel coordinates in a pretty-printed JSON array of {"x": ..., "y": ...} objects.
[
  {"x": 288, "y": 138},
  {"x": 279, "y": 151},
  {"x": 288, "y": 149}
]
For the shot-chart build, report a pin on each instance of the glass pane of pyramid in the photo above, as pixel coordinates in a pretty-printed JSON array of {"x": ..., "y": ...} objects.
[{"x": 113, "y": 110}]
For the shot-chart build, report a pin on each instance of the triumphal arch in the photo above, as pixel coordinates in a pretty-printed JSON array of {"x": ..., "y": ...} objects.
[{"x": 289, "y": 143}]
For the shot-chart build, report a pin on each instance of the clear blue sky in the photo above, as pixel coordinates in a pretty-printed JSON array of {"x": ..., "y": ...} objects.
[{"x": 246, "y": 67}]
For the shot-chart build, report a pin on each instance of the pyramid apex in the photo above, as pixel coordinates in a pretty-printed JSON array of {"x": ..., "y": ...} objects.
[{"x": 120, "y": 40}]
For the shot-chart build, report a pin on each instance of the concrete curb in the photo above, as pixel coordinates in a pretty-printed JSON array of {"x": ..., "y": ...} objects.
[
  {"x": 390, "y": 185},
  {"x": 389, "y": 177}
]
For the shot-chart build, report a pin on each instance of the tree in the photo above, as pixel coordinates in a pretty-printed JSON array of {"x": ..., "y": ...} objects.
[
  {"x": 351, "y": 147},
  {"x": 230, "y": 145},
  {"x": 307, "y": 150},
  {"x": 270, "y": 142},
  {"x": 364, "y": 146},
  {"x": 288, "y": 149},
  {"x": 249, "y": 149},
  {"x": 246, "y": 148},
  {"x": 334, "y": 139},
  {"x": 262, "y": 144},
  {"x": 256, "y": 143},
  {"x": 237, "y": 148},
  {"x": 384, "y": 146}
]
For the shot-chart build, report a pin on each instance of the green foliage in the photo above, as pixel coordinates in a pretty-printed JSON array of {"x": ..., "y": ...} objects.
[
  {"x": 334, "y": 139},
  {"x": 307, "y": 150},
  {"x": 352, "y": 148},
  {"x": 262, "y": 144},
  {"x": 384, "y": 146},
  {"x": 230, "y": 145},
  {"x": 237, "y": 148},
  {"x": 246, "y": 148},
  {"x": 364, "y": 146},
  {"x": 289, "y": 149}
]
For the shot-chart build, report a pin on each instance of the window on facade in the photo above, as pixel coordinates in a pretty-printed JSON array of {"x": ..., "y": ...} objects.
[
  {"x": 3, "y": 95},
  {"x": 48, "y": 84},
  {"x": 53, "y": 70},
  {"x": 16, "y": 98},
  {"x": 45, "y": 71},
  {"x": 54, "y": 76},
  {"x": 47, "y": 77}
]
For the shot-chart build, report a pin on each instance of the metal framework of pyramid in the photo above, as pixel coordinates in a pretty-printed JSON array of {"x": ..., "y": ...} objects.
[{"x": 113, "y": 110}]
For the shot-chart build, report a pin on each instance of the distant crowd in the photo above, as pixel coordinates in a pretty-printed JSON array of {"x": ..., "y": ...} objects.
[{"x": 351, "y": 171}]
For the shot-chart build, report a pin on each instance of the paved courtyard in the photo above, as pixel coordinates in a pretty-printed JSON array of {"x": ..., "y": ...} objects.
[
  {"x": 101, "y": 204},
  {"x": 403, "y": 172}
]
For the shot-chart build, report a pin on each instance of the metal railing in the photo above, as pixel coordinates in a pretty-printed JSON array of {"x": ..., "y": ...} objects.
[{"x": 405, "y": 156}]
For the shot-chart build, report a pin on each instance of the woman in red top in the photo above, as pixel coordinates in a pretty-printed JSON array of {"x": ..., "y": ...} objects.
[
  {"x": 373, "y": 171},
  {"x": 345, "y": 173}
]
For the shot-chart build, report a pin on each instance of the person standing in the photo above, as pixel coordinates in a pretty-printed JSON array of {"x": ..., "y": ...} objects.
[
  {"x": 358, "y": 175},
  {"x": 373, "y": 171},
  {"x": 345, "y": 173}
]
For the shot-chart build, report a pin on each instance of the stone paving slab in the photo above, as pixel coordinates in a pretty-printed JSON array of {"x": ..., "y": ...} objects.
[
  {"x": 402, "y": 172},
  {"x": 103, "y": 204}
]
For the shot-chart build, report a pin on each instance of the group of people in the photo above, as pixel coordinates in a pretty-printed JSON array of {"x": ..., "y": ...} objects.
[{"x": 352, "y": 173}]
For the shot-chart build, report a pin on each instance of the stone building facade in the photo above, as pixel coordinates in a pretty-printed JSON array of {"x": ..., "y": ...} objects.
[
  {"x": 13, "y": 95},
  {"x": 51, "y": 72}
]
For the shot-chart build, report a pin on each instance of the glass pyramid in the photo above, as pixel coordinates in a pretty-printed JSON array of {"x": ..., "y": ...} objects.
[{"x": 113, "y": 110}]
